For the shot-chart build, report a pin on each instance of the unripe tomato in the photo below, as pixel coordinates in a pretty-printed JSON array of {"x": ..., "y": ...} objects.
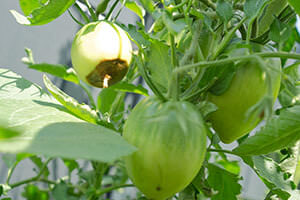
[
  {"x": 248, "y": 87},
  {"x": 171, "y": 141},
  {"x": 101, "y": 53}
]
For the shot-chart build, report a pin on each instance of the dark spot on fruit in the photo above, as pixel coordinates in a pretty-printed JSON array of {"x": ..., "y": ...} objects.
[
  {"x": 116, "y": 69},
  {"x": 158, "y": 188}
]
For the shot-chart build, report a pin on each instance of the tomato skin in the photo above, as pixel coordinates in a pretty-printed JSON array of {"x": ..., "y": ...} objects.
[
  {"x": 248, "y": 87},
  {"x": 99, "y": 49},
  {"x": 171, "y": 141}
]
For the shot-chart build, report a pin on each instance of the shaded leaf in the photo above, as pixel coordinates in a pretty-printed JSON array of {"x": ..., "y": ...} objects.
[
  {"x": 225, "y": 183},
  {"x": 159, "y": 64},
  {"x": 224, "y": 10},
  {"x": 271, "y": 174},
  {"x": 173, "y": 26},
  {"x": 253, "y": 8}
]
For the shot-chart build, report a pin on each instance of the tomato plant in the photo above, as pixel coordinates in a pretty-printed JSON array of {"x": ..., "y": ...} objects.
[{"x": 187, "y": 77}]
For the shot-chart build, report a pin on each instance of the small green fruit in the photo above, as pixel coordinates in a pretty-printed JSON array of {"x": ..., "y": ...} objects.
[
  {"x": 247, "y": 88},
  {"x": 101, "y": 52},
  {"x": 171, "y": 141}
]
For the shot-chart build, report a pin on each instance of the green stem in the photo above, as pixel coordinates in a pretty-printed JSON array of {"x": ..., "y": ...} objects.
[
  {"x": 77, "y": 21},
  {"x": 249, "y": 31},
  {"x": 209, "y": 3},
  {"x": 10, "y": 172},
  {"x": 111, "y": 10},
  {"x": 82, "y": 13},
  {"x": 174, "y": 83},
  {"x": 180, "y": 5},
  {"x": 90, "y": 96},
  {"x": 221, "y": 151},
  {"x": 36, "y": 178},
  {"x": 147, "y": 78},
  {"x": 91, "y": 10},
  {"x": 109, "y": 189},
  {"x": 279, "y": 54},
  {"x": 227, "y": 39},
  {"x": 232, "y": 59}
]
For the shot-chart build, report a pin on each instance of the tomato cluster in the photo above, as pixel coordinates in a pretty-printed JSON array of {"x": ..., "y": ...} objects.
[{"x": 171, "y": 135}]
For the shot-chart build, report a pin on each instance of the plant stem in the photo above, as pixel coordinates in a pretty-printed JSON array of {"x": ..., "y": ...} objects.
[
  {"x": 90, "y": 96},
  {"x": 147, "y": 79},
  {"x": 222, "y": 151},
  {"x": 106, "y": 190},
  {"x": 36, "y": 178},
  {"x": 209, "y": 3},
  {"x": 82, "y": 13},
  {"x": 232, "y": 59},
  {"x": 173, "y": 84},
  {"x": 227, "y": 39},
  {"x": 91, "y": 10},
  {"x": 10, "y": 172},
  {"x": 111, "y": 10},
  {"x": 279, "y": 54},
  {"x": 77, "y": 21}
]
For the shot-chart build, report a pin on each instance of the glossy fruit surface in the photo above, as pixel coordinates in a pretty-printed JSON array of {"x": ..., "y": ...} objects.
[
  {"x": 171, "y": 141},
  {"x": 101, "y": 53},
  {"x": 247, "y": 88}
]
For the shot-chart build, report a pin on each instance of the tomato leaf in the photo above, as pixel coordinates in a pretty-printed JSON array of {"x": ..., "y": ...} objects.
[
  {"x": 290, "y": 91},
  {"x": 148, "y": 5},
  {"x": 43, "y": 14},
  {"x": 158, "y": 62},
  {"x": 6, "y": 133},
  {"x": 279, "y": 132},
  {"x": 224, "y": 10},
  {"x": 82, "y": 111},
  {"x": 253, "y": 8},
  {"x": 33, "y": 192},
  {"x": 279, "y": 31},
  {"x": 224, "y": 182},
  {"x": 48, "y": 129},
  {"x": 28, "y": 6},
  {"x": 296, "y": 5},
  {"x": 271, "y": 174},
  {"x": 105, "y": 99},
  {"x": 136, "y": 8},
  {"x": 173, "y": 26},
  {"x": 60, "y": 71},
  {"x": 131, "y": 88}
]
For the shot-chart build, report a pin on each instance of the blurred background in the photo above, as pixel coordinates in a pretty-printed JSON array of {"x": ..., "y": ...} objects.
[{"x": 51, "y": 43}]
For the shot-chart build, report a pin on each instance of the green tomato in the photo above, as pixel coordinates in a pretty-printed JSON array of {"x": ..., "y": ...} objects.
[
  {"x": 247, "y": 88},
  {"x": 171, "y": 141},
  {"x": 101, "y": 52}
]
